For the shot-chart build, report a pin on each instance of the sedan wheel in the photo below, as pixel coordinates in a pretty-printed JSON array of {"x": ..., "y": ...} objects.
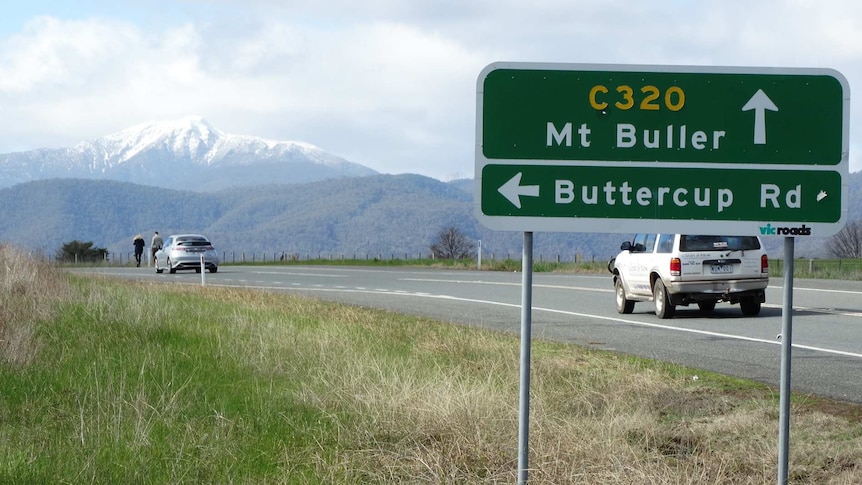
[
  {"x": 171, "y": 269},
  {"x": 663, "y": 307}
]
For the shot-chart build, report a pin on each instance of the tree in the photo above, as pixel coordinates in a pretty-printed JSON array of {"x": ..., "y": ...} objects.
[
  {"x": 80, "y": 252},
  {"x": 847, "y": 243},
  {"x": 452, "y": 244}
]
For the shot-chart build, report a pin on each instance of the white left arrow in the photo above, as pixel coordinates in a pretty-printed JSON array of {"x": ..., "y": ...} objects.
[
  {"x": 760, "y": 102},
  {"x": 513, "y": 190}
]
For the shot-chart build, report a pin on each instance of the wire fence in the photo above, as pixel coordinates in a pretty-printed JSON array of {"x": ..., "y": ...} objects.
[
  {"x": 846, "y": 269},
  {"x": 246, "y": 257}
]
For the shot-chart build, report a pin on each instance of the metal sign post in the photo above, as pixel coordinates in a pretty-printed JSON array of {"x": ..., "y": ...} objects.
[
  {"x": 786, "y": 349},
  {"x": 526, "y": 344}
]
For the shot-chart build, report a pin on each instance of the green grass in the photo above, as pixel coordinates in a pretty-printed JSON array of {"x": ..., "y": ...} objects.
[
  {"x": 846, "y": 269},
  {"x": 122, "y": 382},
  {"x": 466, "y": 264},
  {"x": 834, "y": 269}
]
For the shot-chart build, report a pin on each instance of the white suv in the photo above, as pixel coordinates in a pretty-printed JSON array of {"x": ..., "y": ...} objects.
[{"x": 679, "y": 269}]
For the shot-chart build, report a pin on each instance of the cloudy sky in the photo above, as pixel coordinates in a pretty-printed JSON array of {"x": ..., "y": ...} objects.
[{"x": 390, "y": 84}]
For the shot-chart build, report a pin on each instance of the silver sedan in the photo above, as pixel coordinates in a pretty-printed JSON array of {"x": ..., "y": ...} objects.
[{"x": 186, "y": 251}]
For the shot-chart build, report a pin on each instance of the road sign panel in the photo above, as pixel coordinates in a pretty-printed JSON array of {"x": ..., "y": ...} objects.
[
  {"x": 617, "y": 115},
  {"x": 758, "y": 134},
  {"x": 587, "y": 196}
]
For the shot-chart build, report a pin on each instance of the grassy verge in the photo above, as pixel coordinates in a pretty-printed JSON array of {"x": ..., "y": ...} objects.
[
  {"x": 831, "y": 269},
  {"x": 844, "y": 269},
  {"x": 466, "y": 264},
  {"x": 119, "y": 382}
]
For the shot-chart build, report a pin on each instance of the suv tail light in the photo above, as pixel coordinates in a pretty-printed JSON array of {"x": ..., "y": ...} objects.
[
  {"x": 764, "y": 264},
  {"x": 676, "y": 266}
]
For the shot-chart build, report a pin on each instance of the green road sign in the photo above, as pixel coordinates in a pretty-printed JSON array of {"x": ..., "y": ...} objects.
[
  {"x": 720, "y": 117},
  {"x": 590, "y": 196},
  {"x": 605, "y": 148}
]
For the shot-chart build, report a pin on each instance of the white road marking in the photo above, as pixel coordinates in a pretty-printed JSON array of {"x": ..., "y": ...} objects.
[
  {"x": 496, "y": 283},
  {"x": 301, "y": 274}
]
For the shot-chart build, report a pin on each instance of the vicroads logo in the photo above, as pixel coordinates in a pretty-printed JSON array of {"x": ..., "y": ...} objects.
[{"x": 770, "y": 230}]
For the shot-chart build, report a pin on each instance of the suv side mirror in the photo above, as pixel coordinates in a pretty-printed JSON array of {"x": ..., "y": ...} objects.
[{"x": 626, "y": 246}]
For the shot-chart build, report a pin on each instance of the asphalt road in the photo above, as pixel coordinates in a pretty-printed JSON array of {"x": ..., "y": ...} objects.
[{"x": 827, "y": 316}]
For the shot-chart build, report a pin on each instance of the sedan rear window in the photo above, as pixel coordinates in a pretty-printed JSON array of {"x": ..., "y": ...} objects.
[
  {"x": 718, "y": 243},
  {"x": 193, "y": 242}
]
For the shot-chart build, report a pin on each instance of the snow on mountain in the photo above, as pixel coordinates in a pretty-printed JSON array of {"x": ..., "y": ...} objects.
[
  {"x": 191, "y": 137},
  {"x": 171, "y": 153}
]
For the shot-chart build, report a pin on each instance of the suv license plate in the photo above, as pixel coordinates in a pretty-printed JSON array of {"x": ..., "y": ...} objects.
[{"x": 721, "y": 268}]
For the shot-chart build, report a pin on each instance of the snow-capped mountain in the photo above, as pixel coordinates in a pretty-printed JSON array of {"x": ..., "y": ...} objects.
[{"x": 188, "y": 153}]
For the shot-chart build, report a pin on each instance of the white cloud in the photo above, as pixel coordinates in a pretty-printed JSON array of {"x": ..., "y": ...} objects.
[{"x": 386, "y": 83}]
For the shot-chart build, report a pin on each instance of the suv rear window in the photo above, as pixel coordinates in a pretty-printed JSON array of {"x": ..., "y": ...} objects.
[{"x": 718, "y": 243}]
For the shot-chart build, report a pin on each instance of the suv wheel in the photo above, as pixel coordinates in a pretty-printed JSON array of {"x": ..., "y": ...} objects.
[
  {"x": 750, "y": 306},
  {"x": 663, "y": 307},
  {"x": 623, "y": 305},
  {"x": 706, "y": 306}
]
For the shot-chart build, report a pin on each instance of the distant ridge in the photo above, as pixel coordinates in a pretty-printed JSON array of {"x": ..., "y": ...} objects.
[
  {"x": 379, "y": 215},
  {"x": 188, "y": 153},
  {"x": 375, "y": 216}
]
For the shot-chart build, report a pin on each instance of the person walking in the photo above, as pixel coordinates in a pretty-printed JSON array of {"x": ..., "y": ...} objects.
[
  {"x": 139, "y": 248},
  {"x": 156, "y": 244}
]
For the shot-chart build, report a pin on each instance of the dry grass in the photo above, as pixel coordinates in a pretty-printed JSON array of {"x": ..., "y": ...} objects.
[
  {"x": 138, "y": 383},
  {"x": 29, "y": 293},
  {"x": 438, "y": 404}
]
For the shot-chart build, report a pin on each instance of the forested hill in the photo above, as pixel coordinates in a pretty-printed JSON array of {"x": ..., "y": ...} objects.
[{"x": 378, "y": 215}]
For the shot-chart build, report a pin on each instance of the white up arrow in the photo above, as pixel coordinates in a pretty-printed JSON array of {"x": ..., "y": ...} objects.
[
  {"x": 760, "y": 102},
  {"x": 513, "y": 190}
]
